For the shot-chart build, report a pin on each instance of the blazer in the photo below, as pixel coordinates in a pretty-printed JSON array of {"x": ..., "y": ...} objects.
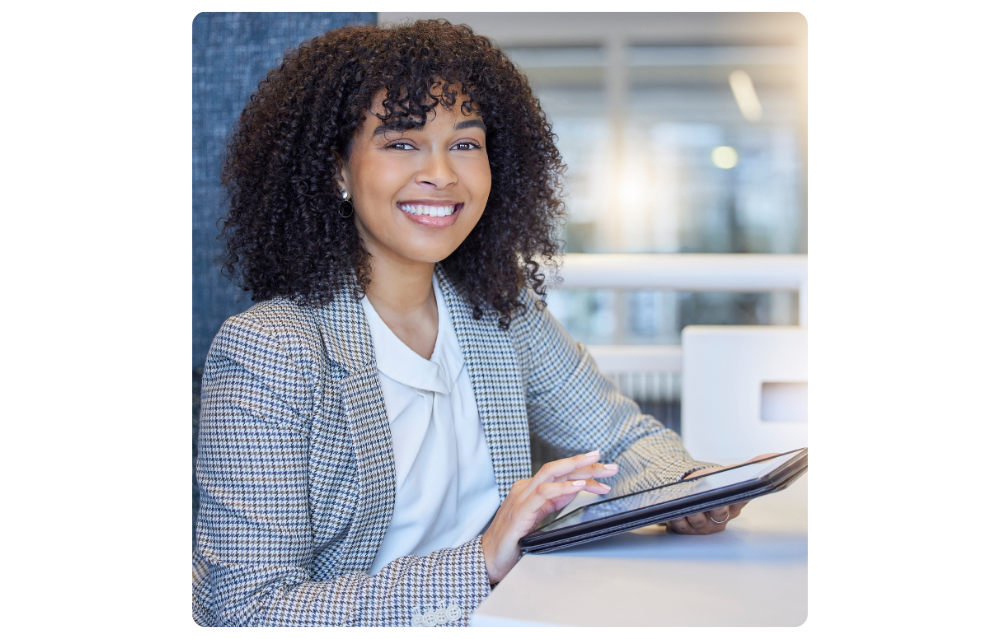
[{"x": 295, "y": 461}]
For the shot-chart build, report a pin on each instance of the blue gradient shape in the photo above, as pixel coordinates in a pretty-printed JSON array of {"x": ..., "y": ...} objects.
[{"x": 130, "y": 69}]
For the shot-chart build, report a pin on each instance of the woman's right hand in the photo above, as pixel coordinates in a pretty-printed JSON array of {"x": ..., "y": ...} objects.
[{"x": 530, "y": 500}]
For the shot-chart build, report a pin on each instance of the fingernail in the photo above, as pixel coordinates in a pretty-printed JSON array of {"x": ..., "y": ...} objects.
[
  {"x": 580, "y": 482},
  {"x": 611, "y": 466},
  {"x": 604, "y": 485},
  {"x": 594, "y": 453}
]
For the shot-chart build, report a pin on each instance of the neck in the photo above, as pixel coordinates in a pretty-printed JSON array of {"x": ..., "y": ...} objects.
[
  {"x": 400, "y": 289},
  {"x": 399, "y": 286}
]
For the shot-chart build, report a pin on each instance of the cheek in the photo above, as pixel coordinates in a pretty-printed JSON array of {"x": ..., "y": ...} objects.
[
  {"x": 374, "y": 188},
  {"x": 481, "y": 181}
]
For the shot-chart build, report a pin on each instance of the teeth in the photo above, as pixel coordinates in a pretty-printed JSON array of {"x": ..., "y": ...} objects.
[{"x": 432, "y": 211}]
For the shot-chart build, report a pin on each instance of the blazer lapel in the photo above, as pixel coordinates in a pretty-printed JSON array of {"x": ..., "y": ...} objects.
[
  {"x": 347, "y": 341},
  {"x": 496, "y": 382},
  {"x": 495, "y": 374}
]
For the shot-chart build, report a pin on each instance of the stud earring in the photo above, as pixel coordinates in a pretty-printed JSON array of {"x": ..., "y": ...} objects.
[{"x": 346, "y": 211}]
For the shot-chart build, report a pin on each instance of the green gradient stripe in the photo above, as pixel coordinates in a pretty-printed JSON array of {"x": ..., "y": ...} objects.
[{"x": 908, "y": 411}]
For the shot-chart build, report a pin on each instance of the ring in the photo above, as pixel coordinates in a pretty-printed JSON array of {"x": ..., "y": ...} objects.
[{"x": 719, "y": 522}]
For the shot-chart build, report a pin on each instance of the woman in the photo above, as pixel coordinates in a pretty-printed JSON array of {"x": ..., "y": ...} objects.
[{"x": 363, "y": 453}]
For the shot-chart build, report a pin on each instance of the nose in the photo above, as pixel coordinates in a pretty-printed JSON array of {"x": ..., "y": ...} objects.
[{"x": 436, "y": 170}]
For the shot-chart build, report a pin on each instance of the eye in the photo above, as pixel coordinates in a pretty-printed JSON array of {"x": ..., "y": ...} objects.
[
  {"x": 466, "y": 146},
  {"x": 400, "y": 146}
]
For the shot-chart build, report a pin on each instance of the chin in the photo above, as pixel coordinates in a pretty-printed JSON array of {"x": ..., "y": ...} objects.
[{"x": 429, "y": 255}]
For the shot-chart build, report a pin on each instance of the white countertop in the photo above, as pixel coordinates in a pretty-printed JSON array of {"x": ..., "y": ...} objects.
[{"x": 752, "y": 574}]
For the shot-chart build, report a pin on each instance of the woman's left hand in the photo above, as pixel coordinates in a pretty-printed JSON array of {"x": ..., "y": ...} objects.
[{"x": 716, "y": 519}]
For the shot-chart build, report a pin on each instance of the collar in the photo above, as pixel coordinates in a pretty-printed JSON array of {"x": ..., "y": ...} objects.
[
  {"x": 347, "y": 337},
  {"x": 397, "y": 361}
]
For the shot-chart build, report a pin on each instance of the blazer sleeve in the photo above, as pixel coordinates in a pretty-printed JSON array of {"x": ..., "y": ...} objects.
[
  {"x": 255, "y": 554},
  {"x": 574, "y": 408}
]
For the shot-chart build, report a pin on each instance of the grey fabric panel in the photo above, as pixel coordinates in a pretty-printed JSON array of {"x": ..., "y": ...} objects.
[{"x": 231, "y": 53}]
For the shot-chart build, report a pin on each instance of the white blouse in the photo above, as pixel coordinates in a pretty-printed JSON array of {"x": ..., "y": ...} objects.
[{"x": 446, "y": 492}]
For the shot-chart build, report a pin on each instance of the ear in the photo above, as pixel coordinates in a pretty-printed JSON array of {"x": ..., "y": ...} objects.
[{"x": 341, "y": 173}]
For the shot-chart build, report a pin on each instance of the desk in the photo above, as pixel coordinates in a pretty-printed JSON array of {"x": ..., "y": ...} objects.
[{"x": 752, "y": 574}]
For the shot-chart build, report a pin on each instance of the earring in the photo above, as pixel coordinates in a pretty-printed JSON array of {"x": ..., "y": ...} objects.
[{"x": 348, "y": 211}]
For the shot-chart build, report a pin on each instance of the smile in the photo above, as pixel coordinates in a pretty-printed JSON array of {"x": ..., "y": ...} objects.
[
  {"x": 429, "y": 210},
  {"x": 431, "y": 214}
]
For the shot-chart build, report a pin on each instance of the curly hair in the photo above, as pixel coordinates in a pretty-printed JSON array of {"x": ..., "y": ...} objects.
[{"x": 283, "y": 234}]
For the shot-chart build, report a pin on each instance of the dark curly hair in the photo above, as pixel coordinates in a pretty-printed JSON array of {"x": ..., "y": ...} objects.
[{"x": 283, "y": 234}]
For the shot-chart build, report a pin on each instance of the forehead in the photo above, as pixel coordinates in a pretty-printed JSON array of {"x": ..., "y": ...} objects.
[{"x": 400, "y": 119}]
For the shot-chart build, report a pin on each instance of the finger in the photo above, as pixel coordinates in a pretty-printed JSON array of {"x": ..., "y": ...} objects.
[
  {"x": 563, "y": 467},
  {"x": 736, "y": 509},
  {"x": 558, "y": 503},
  {"x": 589, "y": 485},
  {"x": 550, "y": 491},
  {"x": 720, "y": 514},
  {"x": 596, "y": 487},
  {"x": 593, "y": 470},
  {"x": 681, "y": 525},
  {"x": 698, "y": 521}
]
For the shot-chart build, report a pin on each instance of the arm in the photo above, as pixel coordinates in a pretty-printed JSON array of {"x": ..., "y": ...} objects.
[
  {"x": 257, "y": 557},
  {"x": 574, "y": 408}
]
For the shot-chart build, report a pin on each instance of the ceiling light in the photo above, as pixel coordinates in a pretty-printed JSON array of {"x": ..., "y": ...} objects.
[
  {"x": 746, "y": 97},
  {"x": 724, "y": 157}
]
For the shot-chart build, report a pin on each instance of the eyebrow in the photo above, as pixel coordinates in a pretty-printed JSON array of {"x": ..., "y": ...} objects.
[
  {"x": 470, "y": 124},
  {"x": 406, "y": 126}
]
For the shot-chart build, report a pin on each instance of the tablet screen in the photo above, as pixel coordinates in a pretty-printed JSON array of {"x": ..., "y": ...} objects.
[{"x": 664, "y": 494}]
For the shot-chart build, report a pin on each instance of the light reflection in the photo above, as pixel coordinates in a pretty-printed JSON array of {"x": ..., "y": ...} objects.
[
  {"x": 746, "y": 96},
  {"x": 724, "y": 157}
]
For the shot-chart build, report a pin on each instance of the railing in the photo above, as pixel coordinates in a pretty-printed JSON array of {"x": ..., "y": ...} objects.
[
  {"x": 689, "y": 272},
  {"x": 651, "y": 375},
  {"x": 727, "y": 371}
]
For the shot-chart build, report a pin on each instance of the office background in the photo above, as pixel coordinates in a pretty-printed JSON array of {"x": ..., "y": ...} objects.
[
  {"x": 682, "y": 133},
  {"x": 662, "y": 156}
]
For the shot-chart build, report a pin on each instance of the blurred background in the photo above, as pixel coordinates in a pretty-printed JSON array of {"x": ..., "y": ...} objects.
[
  {"x": 866, "y": 141},
  {"x": 682, "y": 133}
]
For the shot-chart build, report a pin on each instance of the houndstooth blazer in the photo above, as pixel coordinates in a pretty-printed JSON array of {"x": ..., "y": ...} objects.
[{"x": 296, "y": 471}]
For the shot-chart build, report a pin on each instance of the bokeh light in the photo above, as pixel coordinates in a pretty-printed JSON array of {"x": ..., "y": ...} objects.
[{"x": 724, "y": 157}]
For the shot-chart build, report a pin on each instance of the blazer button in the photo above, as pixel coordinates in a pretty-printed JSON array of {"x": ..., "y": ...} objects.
[
  {"x": 453, "y": 612},
  {"x": 441, "y": 616}
]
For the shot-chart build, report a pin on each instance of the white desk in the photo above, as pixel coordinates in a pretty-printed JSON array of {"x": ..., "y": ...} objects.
[{"x": 753, "y": 574}]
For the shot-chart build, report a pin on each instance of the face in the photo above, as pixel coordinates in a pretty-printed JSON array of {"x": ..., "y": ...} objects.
[{"x": 418, "y": 192}]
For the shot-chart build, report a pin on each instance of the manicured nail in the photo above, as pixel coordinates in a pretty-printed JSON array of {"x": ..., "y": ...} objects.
[
  {"x": 611, "y": 466},
  {"x": 580, "y": 482},
  {"x": 604, "y": 485},
  {"x": 594, "y": 453}
]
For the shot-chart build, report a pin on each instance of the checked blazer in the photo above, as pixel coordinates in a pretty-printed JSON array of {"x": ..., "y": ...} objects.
[{"x": 296, "y": 469}]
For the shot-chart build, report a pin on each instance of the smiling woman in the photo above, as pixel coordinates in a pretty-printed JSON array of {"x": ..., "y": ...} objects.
[
  {"x": 363, "y": 451},
  {"x": 364, "y": 87}
]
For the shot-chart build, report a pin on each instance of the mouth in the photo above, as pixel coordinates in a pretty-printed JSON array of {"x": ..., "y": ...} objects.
[{"x": 434, "y": 213}]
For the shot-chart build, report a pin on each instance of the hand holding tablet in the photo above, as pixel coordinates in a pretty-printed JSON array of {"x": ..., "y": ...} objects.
[
  {"x": 712, "y": 521},
  {"x": 683, "y": 503}
]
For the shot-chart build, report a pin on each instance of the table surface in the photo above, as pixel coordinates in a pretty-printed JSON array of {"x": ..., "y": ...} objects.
[{"x": 752, "y": 574}]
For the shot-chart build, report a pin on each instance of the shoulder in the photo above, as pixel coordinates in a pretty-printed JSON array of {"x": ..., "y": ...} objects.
[
  {"x": 280, "y": 320},
  {"x": 536, "y": 333},
  {"x": 276, "y": 334}
]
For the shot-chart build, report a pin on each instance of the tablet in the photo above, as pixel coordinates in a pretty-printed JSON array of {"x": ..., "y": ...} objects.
[{"x": 608, "y": 517}]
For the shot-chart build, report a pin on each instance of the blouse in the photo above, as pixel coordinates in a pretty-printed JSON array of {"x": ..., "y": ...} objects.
[{"x": 446, "y": 492}]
